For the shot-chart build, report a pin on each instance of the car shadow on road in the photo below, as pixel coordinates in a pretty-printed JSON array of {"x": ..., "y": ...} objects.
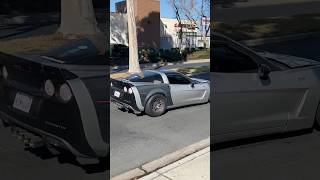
[
  {"x": 258, "y": 139},
  {"x": 65, "y": 157},
  {"x": 167, "y": 111}
]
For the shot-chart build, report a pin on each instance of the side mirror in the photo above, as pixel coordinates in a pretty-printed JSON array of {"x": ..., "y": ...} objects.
[
  {"x": 264, "y": 71},
  {"x": 192, "y": 84}
]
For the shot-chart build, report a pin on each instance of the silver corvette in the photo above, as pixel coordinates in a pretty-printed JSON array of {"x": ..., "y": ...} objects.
[
  {"x": 261, "y": 93},
  {"x": 155, "y": 91}
]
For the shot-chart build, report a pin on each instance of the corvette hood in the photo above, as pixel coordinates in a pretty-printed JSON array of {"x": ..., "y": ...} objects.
[{"x": 291, "y": 61}]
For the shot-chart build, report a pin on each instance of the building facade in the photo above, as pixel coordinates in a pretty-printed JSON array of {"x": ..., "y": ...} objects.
[
  {"x": 153, "y": 31},
  {"x": 191, "y": 34},
  {"x": 147, "y": 13}
]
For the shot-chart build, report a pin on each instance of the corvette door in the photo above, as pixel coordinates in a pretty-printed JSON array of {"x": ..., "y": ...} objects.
[
  {"x": 183, "y": 92},
  {"x": 243, "y": 104}
]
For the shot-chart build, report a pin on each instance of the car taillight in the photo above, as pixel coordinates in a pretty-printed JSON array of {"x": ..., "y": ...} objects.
[
  {"x": 130, "y": 91},
  {"x": 65, "y": 93},
  {"x": 49, "y": 88}
]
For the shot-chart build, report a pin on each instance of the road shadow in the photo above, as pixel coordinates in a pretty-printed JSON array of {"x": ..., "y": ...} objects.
[
  {"x": 65, "y": 157},
  {"x": 258, "y": 139},
  {"x": 168, "y": 110},
  {"x": 24, "y": 29},
  {"x": 228, "y": 3}
]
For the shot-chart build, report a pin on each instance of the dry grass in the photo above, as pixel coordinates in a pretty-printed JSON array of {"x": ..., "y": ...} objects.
[
  {"x": 119, "y": 75},
  {"x": 204, "y": 54},
  {"x": 193, "y": 70},
  {"x": 37, "y": 44}
]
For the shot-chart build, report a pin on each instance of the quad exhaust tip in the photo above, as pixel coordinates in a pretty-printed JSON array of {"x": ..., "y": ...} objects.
[{"x": 30, "y": 140}]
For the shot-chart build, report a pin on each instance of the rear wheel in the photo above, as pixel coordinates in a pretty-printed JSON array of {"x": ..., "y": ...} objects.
[{"x": 156, "y": 105}]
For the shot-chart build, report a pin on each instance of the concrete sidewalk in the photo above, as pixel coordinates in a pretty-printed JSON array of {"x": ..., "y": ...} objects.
[{"x": 193, "y": 167}]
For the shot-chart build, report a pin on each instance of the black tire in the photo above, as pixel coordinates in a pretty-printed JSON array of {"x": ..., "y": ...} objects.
[{"x": 156, "y": 105}]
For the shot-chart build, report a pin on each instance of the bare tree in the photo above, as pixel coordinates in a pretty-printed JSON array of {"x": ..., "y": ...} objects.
[
  {"x": 176, "y": 7},
  {"x": 78, "y": 20},
  {"x": 205, "y": 12},
  {"x": 134, "y": 66},
  {"x": 192, "y": 12}
]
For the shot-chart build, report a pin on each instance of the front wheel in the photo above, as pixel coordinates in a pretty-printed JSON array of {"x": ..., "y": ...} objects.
[{"x": 156, "y": 105}]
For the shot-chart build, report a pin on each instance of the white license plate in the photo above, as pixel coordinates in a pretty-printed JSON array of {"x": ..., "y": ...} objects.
[
  {"x": 22, "y": 102},
  {"x": 116, "y": 93}
]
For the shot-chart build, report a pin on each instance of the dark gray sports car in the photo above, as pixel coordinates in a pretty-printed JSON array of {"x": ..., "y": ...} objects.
[
  {"x": 57, "y": 99},
  {"x": 261, "y": 93},
  {"x": 155, "y": 91}
]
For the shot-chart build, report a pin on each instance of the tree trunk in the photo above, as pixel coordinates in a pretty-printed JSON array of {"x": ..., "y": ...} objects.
[
  {"x": 77, "y": 18},
  {"x": 134, "y": 66},
  {"x": 204, "y": 41}
]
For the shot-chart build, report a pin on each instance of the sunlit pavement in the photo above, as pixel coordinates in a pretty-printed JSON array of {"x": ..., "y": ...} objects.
[
  {"x": 193, "y": 167},
  {"x": 136, "y": 140}
]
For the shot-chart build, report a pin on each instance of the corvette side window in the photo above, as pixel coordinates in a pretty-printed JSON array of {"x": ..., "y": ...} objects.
[
  {"x": 177, "y": 79},
  {"x": 228, "y": 60}
]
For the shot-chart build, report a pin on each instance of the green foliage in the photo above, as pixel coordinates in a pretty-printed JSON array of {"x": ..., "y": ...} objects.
[
  {"x": 147, "y": 55},
  {"x": 119, "y": 50},
  {"x": 170, "y": 55}
]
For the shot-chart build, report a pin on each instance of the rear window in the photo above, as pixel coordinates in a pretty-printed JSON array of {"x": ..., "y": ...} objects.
[
  {"x": 82, "y": 52},
  {"x": 147, "y": 76}
]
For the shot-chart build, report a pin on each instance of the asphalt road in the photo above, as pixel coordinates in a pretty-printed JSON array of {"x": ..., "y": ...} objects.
[
  {"x": 136, "y": 140},
  {"x": 293, "y": 156},
  {"x": 236, "y": 14},
  {"x": 288, "y": 158},
  {"x": 19, "y": 164},
  {"x": 307, "y": 47}
]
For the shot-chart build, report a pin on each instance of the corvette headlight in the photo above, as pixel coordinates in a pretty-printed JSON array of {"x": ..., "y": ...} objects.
[
  {"x": 5, "y": 73},
  {"x": 65, "y": 92},
  {"x": 130, "y": 91},
  {"x": 125, "y": 89},
  {"x": 49, "y": 87}
]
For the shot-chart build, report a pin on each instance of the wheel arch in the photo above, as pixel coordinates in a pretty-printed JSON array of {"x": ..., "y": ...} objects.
[{"x": 155, "y": 92}]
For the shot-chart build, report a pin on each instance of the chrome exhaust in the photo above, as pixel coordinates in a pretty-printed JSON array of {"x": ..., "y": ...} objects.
[{"x": 30, "y": 140}]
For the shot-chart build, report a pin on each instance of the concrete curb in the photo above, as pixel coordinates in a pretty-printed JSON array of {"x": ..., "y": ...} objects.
[
  {"x": 162, "y": 172},
  {"x": 257, "y": 42},
  {"x": 132, "y": 174},
  {"x": 163, "y": 161}
]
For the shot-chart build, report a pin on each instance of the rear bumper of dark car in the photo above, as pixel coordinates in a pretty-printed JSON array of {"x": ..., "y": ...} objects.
[
  {"x": 48, "y": 138},
  {"x": 122, "y": 104}
]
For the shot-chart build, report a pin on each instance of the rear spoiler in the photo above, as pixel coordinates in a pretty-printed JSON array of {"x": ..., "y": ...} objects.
[
  {"x": 35, "y": 64},
  {"x": 120, "y": 84}
]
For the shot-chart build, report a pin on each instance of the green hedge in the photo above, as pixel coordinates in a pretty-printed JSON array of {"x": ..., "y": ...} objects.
[{"x": 149, "y": 55}]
